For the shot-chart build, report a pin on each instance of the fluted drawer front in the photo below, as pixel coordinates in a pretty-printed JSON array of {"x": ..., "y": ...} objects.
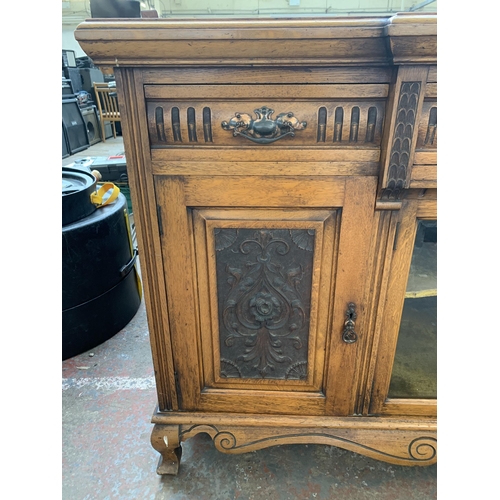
[{"x": 320, "y": 116}]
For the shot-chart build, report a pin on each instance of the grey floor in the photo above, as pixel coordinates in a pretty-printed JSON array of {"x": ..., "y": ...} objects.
[{"x": 108, "y": 397}]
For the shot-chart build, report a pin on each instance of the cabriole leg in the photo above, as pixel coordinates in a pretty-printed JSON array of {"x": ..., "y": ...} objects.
[{"x": 165, "y": 440}]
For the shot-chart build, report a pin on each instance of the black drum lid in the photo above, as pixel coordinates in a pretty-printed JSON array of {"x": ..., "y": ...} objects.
[{"x": 77, "y": 186}]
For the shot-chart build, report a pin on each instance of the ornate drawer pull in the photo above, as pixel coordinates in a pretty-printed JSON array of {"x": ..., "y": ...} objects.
[
  {"x": 349, "y": 336},
  {"x": 263, "y": 129}
]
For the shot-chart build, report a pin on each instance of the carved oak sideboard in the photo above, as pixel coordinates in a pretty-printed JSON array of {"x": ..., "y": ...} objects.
[{"x": 283, "y": 178}]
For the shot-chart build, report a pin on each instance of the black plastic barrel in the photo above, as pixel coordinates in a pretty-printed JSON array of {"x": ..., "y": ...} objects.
[{"x": 101, "y": 286}]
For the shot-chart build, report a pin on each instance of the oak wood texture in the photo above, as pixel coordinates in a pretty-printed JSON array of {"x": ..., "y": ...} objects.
[
  {"x": 165, "y": 440},
  {"x": 349, "y": 132},
  {"x": 392, "y": 440},
  {"x": 380, "y": 258},
  {"x": 350, "y": 40},
  {"x": 331, "y": 154},
  {"x": 397, "y": 279},
  {"x": 250, "y": 92},
  {"x": 186, "y": 238},
  {"x": 282, "y": 75},
  {"x": 325, "y": 224},
  {"x": 348, "y": 186},
  {"x": 234, "y": 42},
  {"x": 147, "y": 229},
  {"x": 401, "y": 127},
  {"x": 412, "y": 448},
  {"x": 413, "y": 39},
  {"x": 350, "y": 287}
]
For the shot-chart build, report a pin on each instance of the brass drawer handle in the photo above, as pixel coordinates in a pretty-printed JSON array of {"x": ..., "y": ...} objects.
[
  {"x": 263, "y": 129},
  {"x": 349, "y": 336}
]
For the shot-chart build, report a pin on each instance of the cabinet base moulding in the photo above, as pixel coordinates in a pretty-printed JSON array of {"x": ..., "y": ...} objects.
[{"x": 399, "y": 442}]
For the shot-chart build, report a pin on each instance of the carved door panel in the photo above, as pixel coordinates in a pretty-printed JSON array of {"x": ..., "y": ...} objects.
[{"x": 260, "y": 272}]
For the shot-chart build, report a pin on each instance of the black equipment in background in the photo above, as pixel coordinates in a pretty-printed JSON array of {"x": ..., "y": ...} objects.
[
  {"x": 92, "y": 123},
  {"x": 67, "y": 89},
  {"x": 108, "y": 129},
  {"x": 74, "y": 75},
  {"x": 74, "y": 125},
  {"x": 84, "y": 62},
  {"x": 89, "y": 76},
  {"x": 68, "y": 59},
  {"x": 115, "y": 8},
  {"x": 65, "y": 147}
]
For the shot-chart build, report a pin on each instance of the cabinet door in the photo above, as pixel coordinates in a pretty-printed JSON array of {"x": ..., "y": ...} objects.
[
  {"x": 406, "y": 377},
  {"x": 259, "y": 274}
]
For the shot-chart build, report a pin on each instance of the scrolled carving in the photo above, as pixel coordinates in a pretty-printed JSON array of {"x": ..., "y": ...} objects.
[
  {"x": 423, "y": 448},
  {"x": 224, "y": 441},
  {"x": 263, "y": 129},
  {"x": 403, "y": 450}
]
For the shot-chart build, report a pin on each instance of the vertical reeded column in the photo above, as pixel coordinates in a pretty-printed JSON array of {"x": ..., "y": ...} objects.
[
  {"x": 338, "y": 123},
  {"x": 176, "y": 124}
]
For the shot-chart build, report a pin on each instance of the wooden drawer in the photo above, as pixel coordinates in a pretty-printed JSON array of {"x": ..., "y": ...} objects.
[{"x": 319, "y": 117}]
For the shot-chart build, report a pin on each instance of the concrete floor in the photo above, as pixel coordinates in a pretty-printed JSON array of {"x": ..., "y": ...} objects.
[{"x": 108, "y": 397}]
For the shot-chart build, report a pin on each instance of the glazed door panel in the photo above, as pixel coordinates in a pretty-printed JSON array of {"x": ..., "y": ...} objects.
[
  {"x": 414, "y": 372},
  {"x": 405, "y": 378},
  {"x": 258, "y": 280}
]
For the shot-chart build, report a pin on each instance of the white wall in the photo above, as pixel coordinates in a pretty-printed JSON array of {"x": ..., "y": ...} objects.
[
  {"x": 69, "y": 42},
  {"x": 171, "y": 8}
]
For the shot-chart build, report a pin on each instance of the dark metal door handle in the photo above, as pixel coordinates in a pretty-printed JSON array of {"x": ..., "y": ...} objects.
[{"x": 349, "y": 336}]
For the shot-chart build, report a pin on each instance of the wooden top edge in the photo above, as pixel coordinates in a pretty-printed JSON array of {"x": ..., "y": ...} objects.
[
  {"x": 346, "y": 40},
  {"x": 228, "y": 23},
  {"x": 410, "y": 25},
  {"x": 384, "y": 422},
  {"x": 410, "y": 17},
  {"x": 261, "y": 22}
]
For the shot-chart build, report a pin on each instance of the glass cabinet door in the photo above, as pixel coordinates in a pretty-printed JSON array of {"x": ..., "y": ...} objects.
[{"x": 414, "y": 373}]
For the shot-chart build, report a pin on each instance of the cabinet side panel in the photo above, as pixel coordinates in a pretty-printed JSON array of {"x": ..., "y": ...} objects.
[
  {"x": 180, "y": 270},
  {"x": 134, "y": 129}
]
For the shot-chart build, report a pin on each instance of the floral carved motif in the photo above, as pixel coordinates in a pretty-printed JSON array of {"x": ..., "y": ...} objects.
[{"x": 264, "y": 286}]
